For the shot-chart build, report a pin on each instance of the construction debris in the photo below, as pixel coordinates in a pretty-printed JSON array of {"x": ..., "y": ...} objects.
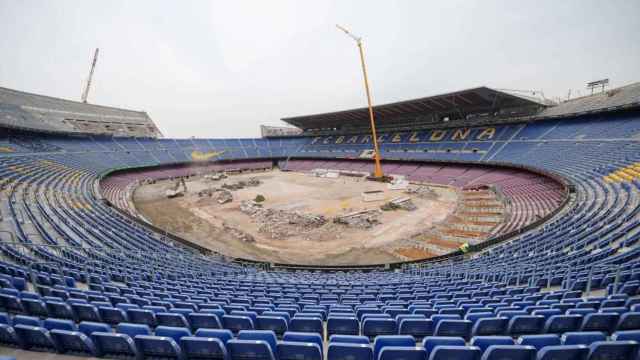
[
  {"x": 364, "y": 219},
  {"x": 423, "y": 192},
  {"x": 242, "y": 184},
  {"x": 216, "y": 176},
  {"x": 403, "y": 203},
  {"x": 281, "y": 224},
  {"x": 223, "y": 196}
]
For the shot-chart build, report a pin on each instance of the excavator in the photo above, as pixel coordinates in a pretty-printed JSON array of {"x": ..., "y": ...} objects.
[{"x": 175, "y": 191}]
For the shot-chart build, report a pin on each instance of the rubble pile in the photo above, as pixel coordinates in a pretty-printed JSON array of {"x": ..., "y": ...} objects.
[
  {"x": 223, "y": 196},
  {"x": 422, "y": 192},
  {"x": 399, "y": 204},
  {"x": 242, "y": 184},
  {"x": 364, "y": 219},
  {"x": 280, "y": 224}
]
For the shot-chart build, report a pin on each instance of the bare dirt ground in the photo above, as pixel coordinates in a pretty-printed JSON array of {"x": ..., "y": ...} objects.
[{"x": 204, "y": 221}]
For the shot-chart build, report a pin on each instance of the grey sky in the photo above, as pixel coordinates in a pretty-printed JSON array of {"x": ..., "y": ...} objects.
[{"x": 221, "y": 68}]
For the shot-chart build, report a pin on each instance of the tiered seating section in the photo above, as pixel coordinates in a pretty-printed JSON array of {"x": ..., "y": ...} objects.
[{"x": 58, "y": 239}]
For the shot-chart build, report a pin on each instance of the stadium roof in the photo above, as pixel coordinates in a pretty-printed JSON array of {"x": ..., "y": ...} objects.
[
  {"x": 23, "y": 110},
  {"x": 458, "y": 105}
]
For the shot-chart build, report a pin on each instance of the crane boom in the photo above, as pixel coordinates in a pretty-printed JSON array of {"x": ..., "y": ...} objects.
[{"x": 85, "y": 93}]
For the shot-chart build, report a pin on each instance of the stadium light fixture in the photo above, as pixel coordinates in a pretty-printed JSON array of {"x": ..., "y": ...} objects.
[{"x": 377, "y": 172}]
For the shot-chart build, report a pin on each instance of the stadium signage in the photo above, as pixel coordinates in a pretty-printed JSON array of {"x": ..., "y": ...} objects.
[{"x": 460, "y": 134}]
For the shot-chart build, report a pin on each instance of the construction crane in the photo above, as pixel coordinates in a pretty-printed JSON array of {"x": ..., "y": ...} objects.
[
  {"x": 377, "y": 172},
  {"x": 85, "y": 93}
]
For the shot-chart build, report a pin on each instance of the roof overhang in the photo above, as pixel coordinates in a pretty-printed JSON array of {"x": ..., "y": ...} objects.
[{"x": 432, "y": 109}]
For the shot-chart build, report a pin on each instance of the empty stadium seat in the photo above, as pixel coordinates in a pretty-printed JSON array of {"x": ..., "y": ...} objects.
[
  {"x": 446, "y": 352},
  {"x": 563, "y": 352},
  {"x": 158, "y": 347},
  {"x": 511, "y": 352},
  {"x": 203, "y": 348},
  {"x": 249, "y": 350},
  {"x": 288, "y": 350},
  {"x": 347, "y": 351},
  {"x": 608, "y": 350},
  {"x": 402, "y": 352},
  {"x": 391, "y": 340}
]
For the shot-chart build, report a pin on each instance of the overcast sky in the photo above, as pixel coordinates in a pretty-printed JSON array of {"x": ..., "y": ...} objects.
[{"x": 222, "y": 68}]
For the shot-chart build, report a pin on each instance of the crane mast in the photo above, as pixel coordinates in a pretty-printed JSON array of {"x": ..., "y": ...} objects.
[{"x": 85, "y": 93}]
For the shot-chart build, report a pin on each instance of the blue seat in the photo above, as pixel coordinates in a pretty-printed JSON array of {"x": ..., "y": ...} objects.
[
  {"x": 511, "y": 352},
  {"x": 176, "y": 333},
  {"x": 158, "y": 347},
  {"x": 204, "y": 320},
  {"x": 440, "y": 317},
  {"x": 489, "y": 326},
  {"x": 133, "y": 329},
  {"x": 249, "y": 350},
  {"x": 461, "y": 328},
  {"x": 267, "y": 336},
  {"x": 306, "y": 325},
  {"x": 402, "y": 353},
  {"x": 8, "y": 336},
  {"x": 35, "y": 338},
  {"x": 547, "y": 313},
  {"x": 613, "y": 350},
  {"x": 35, "y": 307},
  {"x": 86, "y": 312},
  {"x": 73, "y": 342},
  {"x": 26, "y": 320},
  {"x": 223, "y": 335},
  {"x": 59, "y": 310},
  {"x": 348, "y": 351},
  {"x": 115, "y": 345},
  {"x": 629, "y": 321},
  {"x": 447, "y": 352},
  {"x": 557, "y": 324},
  {"x": 304, "y": 337},
  {"x": 431, "y": 342},
  {"x": 539, "y": 341},
  {"x": 483, "y": 342},
  {"x": 112, "y": 315},
  {"x": 237, "y": 323},
  {"x": 250, "y": 314},
  {"x": 11, "y": 303},
  {"x": 349, "y": 339},
  {"x": 60, "y": 324},
  {"x": 288, "y": 350},
  {"x": 171, "y": 319},
  {"x": 626, "y": 335},
  {"x": 600, "y": 322},
  {"x": 342, "y": 326},
  {"x": 88, "y": 327},
  {"x": 582, "y": 337},
  {"x": 563, "y": 352},
  {"x": 525, "y": 324},
  {"x": 391, "y": 340},
  {"x": 276, "y": 324},
  {"x": 418, "y": 328},
  {"x": 142, "y": 316},
  {"x": 203, "y": 348}
]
